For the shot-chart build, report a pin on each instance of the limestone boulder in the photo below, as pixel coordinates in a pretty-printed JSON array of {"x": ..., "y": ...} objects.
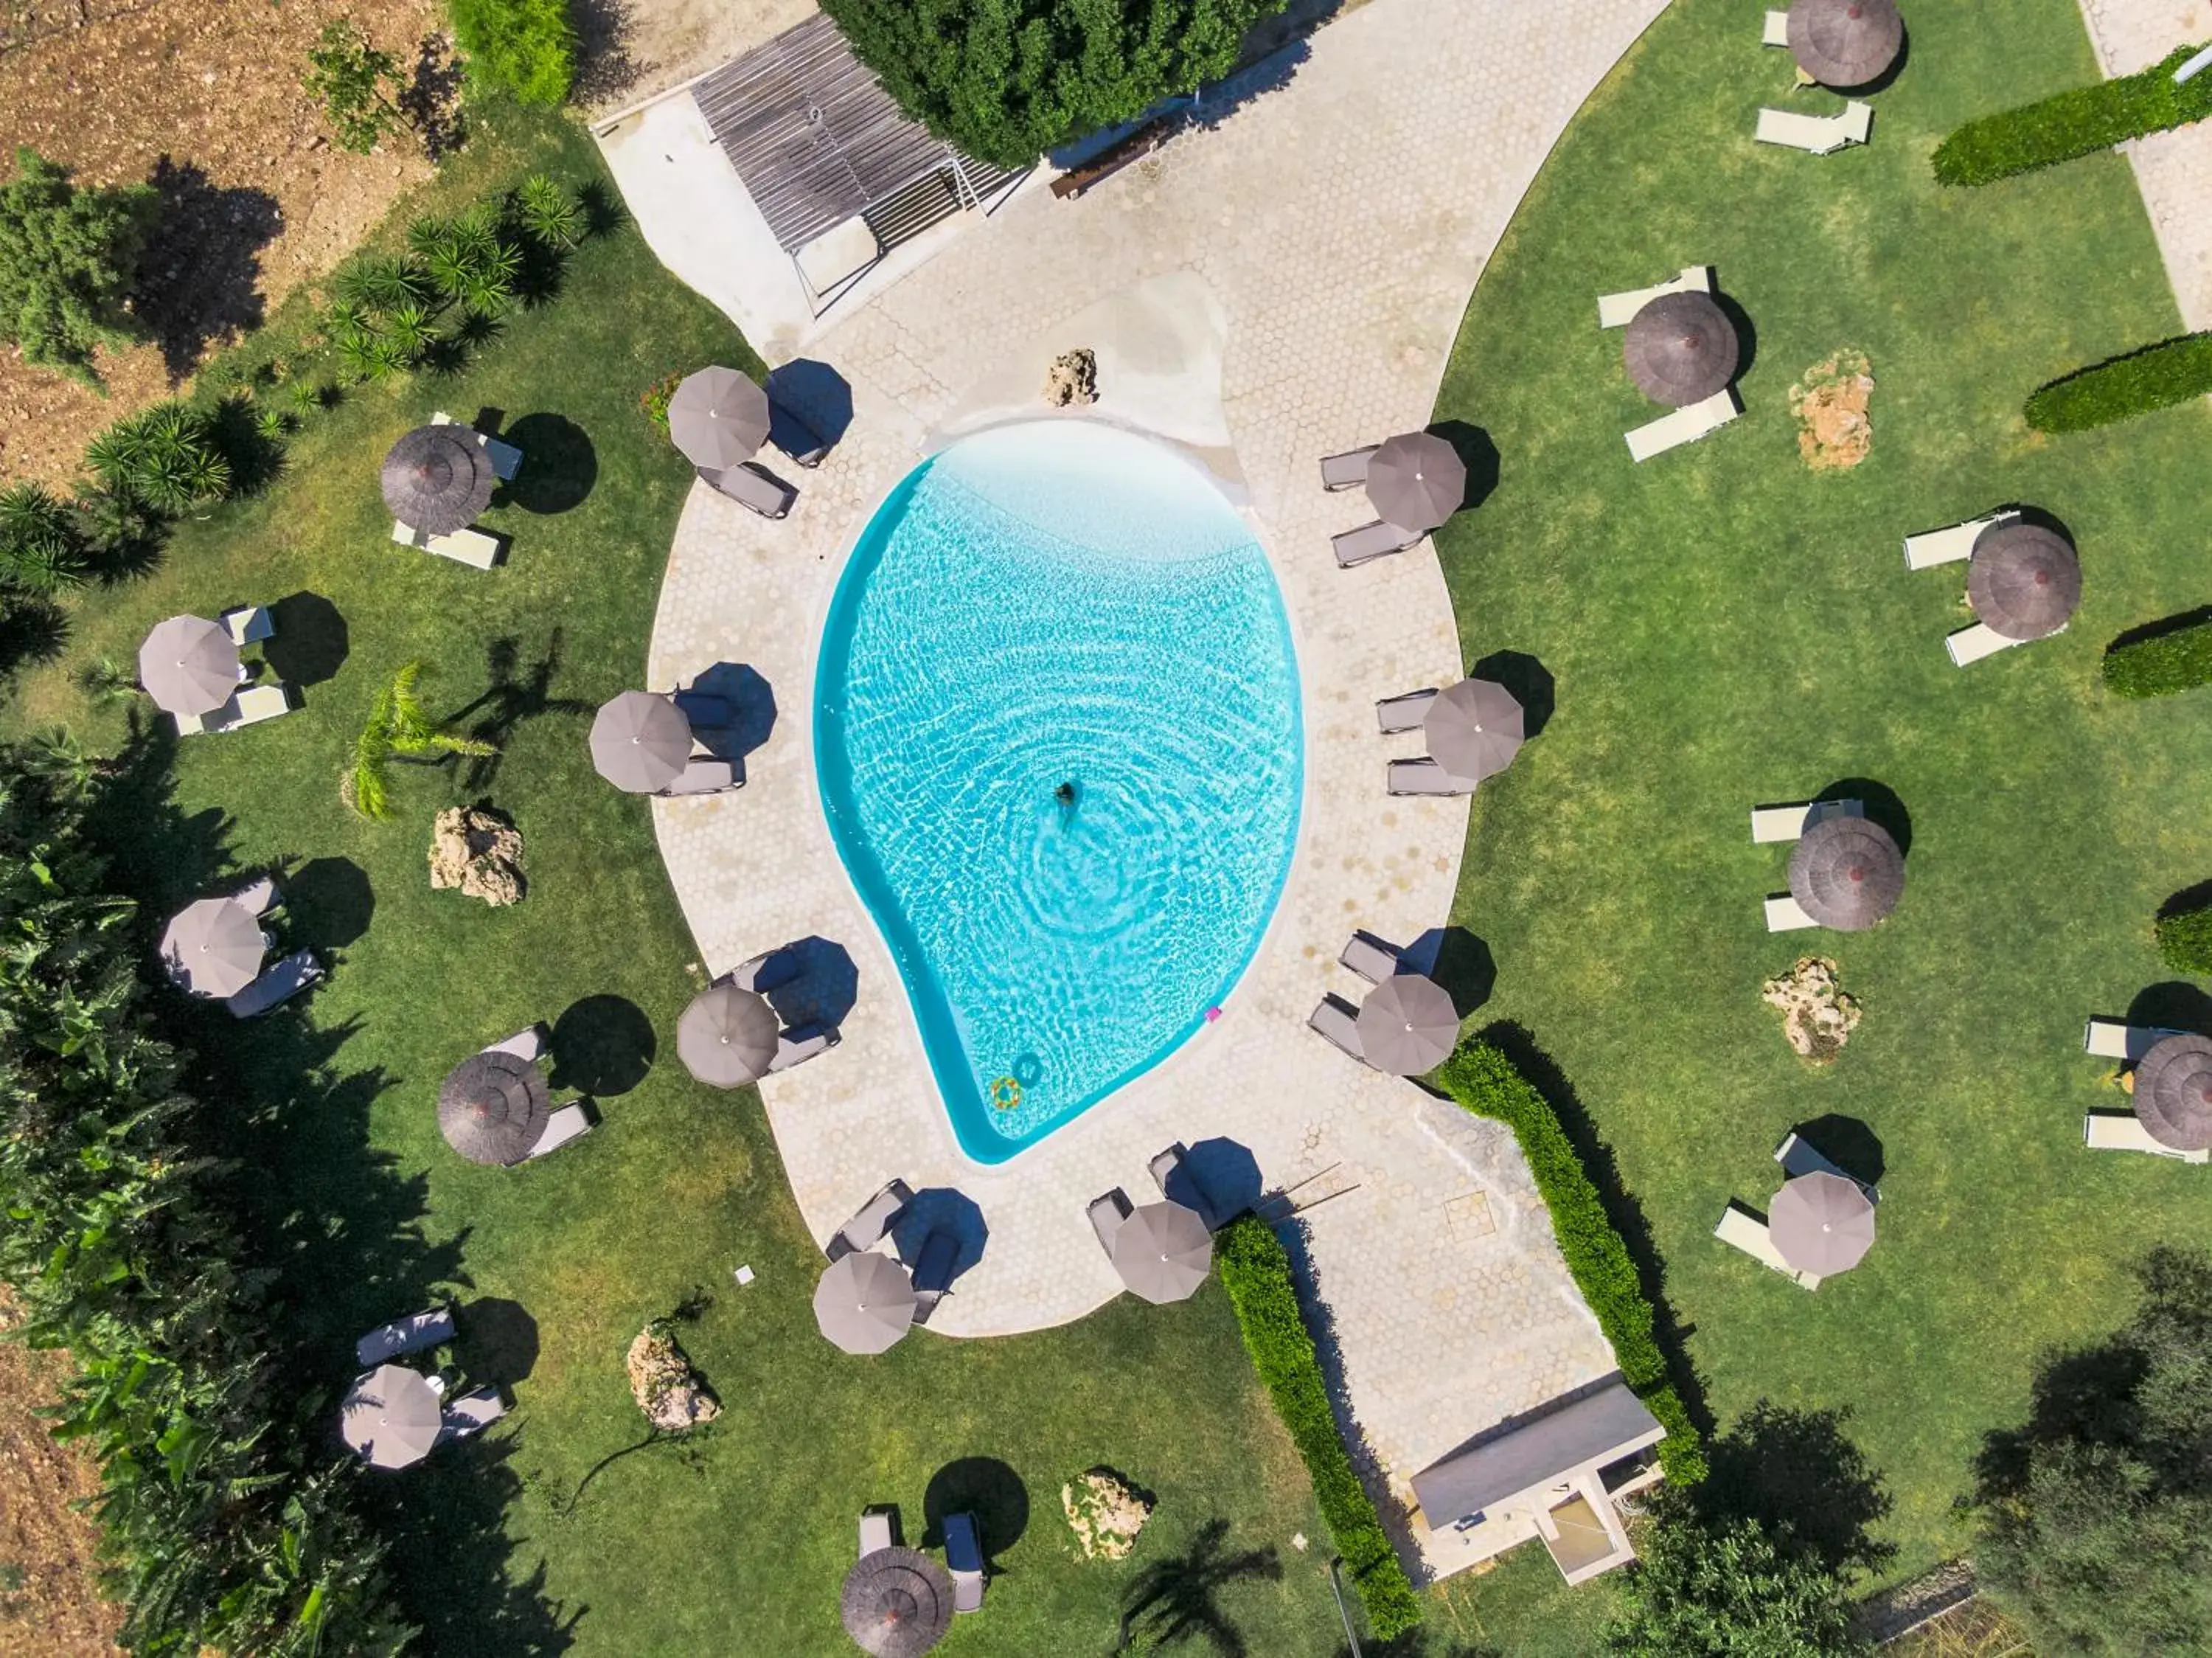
[
  {"x": 478, "y": 852},
  {"x": 661, "y": 1379},
  {"x": 1073, "y": 380},
  {"x": 1105, "y": 1512},
  {"x": 1818, "y": 1017}
]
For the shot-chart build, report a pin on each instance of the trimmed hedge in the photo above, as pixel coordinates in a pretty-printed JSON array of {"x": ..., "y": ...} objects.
[
  {"x": 2119, "y": 388},
  {"x": 2071, "y": 123},
  {"x": 1483, "y": 1081},
  {"x": 1256, "y": 1270},
  {"x": 2180, "y": 660},
  {"x": 2184, "y": 940}
]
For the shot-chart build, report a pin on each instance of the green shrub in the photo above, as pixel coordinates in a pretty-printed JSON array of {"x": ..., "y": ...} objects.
[
  {"x": 168, "y": 455},
  {"x": 2179, "y": 659},
  {"x": 41, "y": 545},
  {"x": 1484, "y": 1081},
  {"x": 2156, "y": 377},
  {"x": 356, "y": 86},
  {"x": 2079, "y": 122},
  {"x": 1257, "y": 1271},
  {"x": 526, "y": 48},
  {"x": 2184, "y": 940},
  {"x": 68, "y": 258}
]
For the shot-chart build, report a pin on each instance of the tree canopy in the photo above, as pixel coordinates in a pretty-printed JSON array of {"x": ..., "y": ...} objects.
[
  {"x": 1007, "y": 80},
  {"x": 68, "y": 258}
]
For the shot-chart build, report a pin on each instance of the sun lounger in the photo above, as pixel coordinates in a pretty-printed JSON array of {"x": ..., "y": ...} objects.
[
  {"x": 403, "y": 1336},
  {"x": 703, "y": 776},
  {"x": 1338, "y": 1021},
  {"x": 1685, "y": 425},
  {"x": 875, "y": 1217},
  {"x": 1370, "y": 542},
  {"x": 472, "y": 1413},
  {"x": 249, "y": 624},
  {"x": 770, "y": 970},
  {"x": 2115, "y": 1038},
  {"x": 1347, "y": 470},
  {"x": 1797, "y": 1157},
  {"x": 528, "y": 1045},
  {"x": 1949, "y": 546},
  {"x": 249, "y": 705},
  {"x": 1370, "y": 957},
  {"x": 1746, "y": 1232},
  {"x": 1422, "y": 776},
  {"x": 1619, "y": 310},
  {"x": 1971, "y": 644},
  {"x": 711, "y": 713},
  {"x": 796, "y": 1047},
  {"x": 751, "y": 486},
  {"x": 933, "y": 1272},
  {"x": 875, "y": 1533},
  {"x": 1816, "y": 135},
  {"x": 1775, "y": 29},
  {"x": 278, "y": 986},
  {"x": 2121, "y": 1131},
  {"x": 1403, "y": 713},
  {"x": 1770, "y": 823},
  {"x": 505, "y": 459},
  {"x": 963, "y": 1558},
  {"x": 570, "y": 1122},
  {"x": 258, "y": 896},
  {"x": 477, "y": 549},
  {"x": 1106, "y": 1213},
  {"x": 1785, "y": 915},
  {"x": 793, "y": 434}
]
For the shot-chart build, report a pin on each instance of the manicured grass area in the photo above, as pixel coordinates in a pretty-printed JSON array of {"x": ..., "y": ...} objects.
[
  {"x": 533, "y": 1540},
  {"x": 1723, "y": 627}
]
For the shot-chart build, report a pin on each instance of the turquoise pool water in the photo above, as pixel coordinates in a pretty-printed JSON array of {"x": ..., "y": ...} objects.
[{"x": 1046, "y": 605}]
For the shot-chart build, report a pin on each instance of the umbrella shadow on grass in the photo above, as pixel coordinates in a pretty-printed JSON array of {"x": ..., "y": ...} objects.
[
  {"x": 1458, "y": 962},
  {"x": 1848, "y": 1143},
  {"x": 982, "y": 1486},
  {"x": 1529, "y": 680},
  {"x": 2174, "y": 1005},
  {"x": 1478, "y": 452},
  {"x": 1883, "y": 807},
  {"x": 559, "y": 465},
  {"x": 328, "y": 904},
  {"x": 311, "y": 643},
  {"x": 603, "y": 1046}
]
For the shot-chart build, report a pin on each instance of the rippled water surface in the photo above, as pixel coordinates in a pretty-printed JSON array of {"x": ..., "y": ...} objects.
[{"x": 1044, "y": 611}]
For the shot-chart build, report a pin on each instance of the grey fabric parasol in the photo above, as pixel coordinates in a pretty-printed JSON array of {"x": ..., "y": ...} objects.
[
  {"x": 391, "y": 1418},
  {"x": 1681, "y": 349},
  {"x": 641, "y": 743},
  {"x": 1163, "y": 1251},
  {"x": 1407, "y": 1025},
  {"x": 865, "y": 1302},
  {"x": 898, "y": 1603},
  {"x": 2173, "y": 1092},
  {"x": 492, "y": 1108},
  {"x": 1846, "y": 872},
  {"x": 1822, "y": 1223},
  {"x": 1846, "y": 43},
  {"x": 2025, "y": 581},
  {"x": 727, "y": 1036},
  {"x": 213, "y": 947},
  {"x": 718, "y": 417},
  {"x": 1474, "y": 729},
  {"x": 189, "y": 665},
  {"x": 1416, "y": 480},
  {"x": 438, "y": 479}
]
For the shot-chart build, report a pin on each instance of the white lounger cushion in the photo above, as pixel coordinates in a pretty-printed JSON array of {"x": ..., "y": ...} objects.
[
  {"x": 528, "y": 1045},
  {"x": 1785, "y": 915},
  {"x": 249, "y": 624},
  {"x": 2114, "y": 1038},
  {"x": 1817, "y": 135},
  {"x": 1971, "y": 644},
  {"x": 1778, "y": 823},
  {"x": 401, "y": 1336},
  {"x": 1748, "y": 1233},
  {"x": 1619, "y": 310},
  {"x": 249, "y": 706},
  {"x": 875, "y": 1532},
  {"x": 562, "y": 1127},
  {"x": 1775, "y": 29},
  {"x": 1338, "y": 1022},
  {"x": 1685, "y": 425},
  {"x": 1949, "y": 546},
  {"x": 2119, "y": 1131}
]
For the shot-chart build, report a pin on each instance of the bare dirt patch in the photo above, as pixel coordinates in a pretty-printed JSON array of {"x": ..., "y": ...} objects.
[
  {"x": 1831, "y": 405},
  {"x": 48, "y": 1605},
  {"x": 634, "y": 49},
  {"x": 201, "y": 98}
]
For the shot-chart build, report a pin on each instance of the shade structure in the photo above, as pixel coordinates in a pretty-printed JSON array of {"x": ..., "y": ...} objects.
[
  {"x": 1416, "y": 481},
  {"x": 865, "y": 1302},
  {"x": 727, "y": 1036},
  {"x": 1846, "y": 43},
  {"x": 2025, "y": 581},
  {"x": 1473, "y": 728},
  {"x": 1822, "y": 1223},
  {"x": 641, "y": 743},
  {"x": 1407, "y": 1025},
  {"x": 2173, "y": 1092},
  {"x": 492, "y": 1108},
  {"x": 438, "y": 479},
  {"x": 1680, "y": 348},
  {"x": 391, "y": 1418},
  {"x": 898, "y": 1603},
  {"x": 189, "y": 665},
  {"x": 1163, "y": 1251},
  {"x": 718, "y": 417},
  {"x": 1847, "y": 874},
  {"x": 213, "y": 947}
]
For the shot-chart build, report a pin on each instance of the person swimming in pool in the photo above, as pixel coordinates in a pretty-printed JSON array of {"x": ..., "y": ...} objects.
[{"x": 1065, "y": 794}]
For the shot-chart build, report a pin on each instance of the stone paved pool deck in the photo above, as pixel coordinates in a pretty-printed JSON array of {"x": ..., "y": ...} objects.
[
  {"x": 1327, "y": 236},
  {"x": 2173, "y": 170}
]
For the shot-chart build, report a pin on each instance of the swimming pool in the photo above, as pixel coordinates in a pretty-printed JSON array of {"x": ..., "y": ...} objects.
[{"x": 1059, "y": 742}]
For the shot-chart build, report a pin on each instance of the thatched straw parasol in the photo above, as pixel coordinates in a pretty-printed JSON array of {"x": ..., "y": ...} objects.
[
  {"x": 898, "y": 1603},
  {"x": 1847, "y": 874},
  {"x": 491, "y": 1108},
  {"x": 1846, "y": 43},
  {"x": 438, "y": 479},
  {"x": 2173, "y": 1092},
  {"x": 1681, "y": 349},
  {"x": 2024, "y": 582}
]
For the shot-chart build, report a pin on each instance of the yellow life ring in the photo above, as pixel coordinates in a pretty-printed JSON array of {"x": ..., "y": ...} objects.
[{"x": 1006, "y": 1094}]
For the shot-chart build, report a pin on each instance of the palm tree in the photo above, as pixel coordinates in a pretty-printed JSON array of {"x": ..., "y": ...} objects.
[{"x": 398, "y": 725}]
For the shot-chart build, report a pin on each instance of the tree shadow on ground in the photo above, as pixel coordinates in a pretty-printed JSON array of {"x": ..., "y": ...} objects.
[
  {"x": 2174, "y": 1005},
  {"x": 604, "y": 69},
  {"x": 559, "y": 465},
  {"x": 1478, "y": 452},
  {"x": 514, "y": 694},
  {"x": 199, "y": 278},
  {"x": 982, "y": 1486},
  {"x": 1882, "y": 808},
  {"x": 603, "y": 1046},
  {"x": 1803, "y": 1481},
  {"x": 751, "y": 700},
  {"x": 1746, "y": 333},
  {"x": 310, "y": 644},
  {"x": 1848, "y": 1143},
  {"x": 32, "y": 630},
  {"x": 431, "y": 101},
  {"x": 328, "y": 904},
  {"x": 1178, "y": 1598},
  {"x": 1529, "y": 681}
]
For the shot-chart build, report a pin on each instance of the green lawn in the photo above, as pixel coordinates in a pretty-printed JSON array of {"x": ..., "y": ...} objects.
[
  {"x": 1723, "y": 627},
  {"x": 738, "y": 1541}
]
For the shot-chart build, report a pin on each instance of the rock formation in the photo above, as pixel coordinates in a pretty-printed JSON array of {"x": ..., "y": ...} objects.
[
  {"x": 1106, "y": 1513},
  {"x": 1831, "y": 406},
  {"x": 1817, "y": 1017},
  {"x": 666, "y": 1388},
  {"x": 478, "y": 851},
  {"x": 1073, "y": 379}
]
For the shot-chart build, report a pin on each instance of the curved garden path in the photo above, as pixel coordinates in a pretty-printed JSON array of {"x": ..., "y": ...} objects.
[{"x": 1327, "y": 235}]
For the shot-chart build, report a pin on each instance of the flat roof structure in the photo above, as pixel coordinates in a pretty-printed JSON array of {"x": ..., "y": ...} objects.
[{"x": 1600, "y": 1429}]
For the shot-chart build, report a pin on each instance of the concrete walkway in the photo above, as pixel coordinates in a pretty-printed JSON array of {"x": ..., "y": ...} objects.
[
  {"x": 1320, "y": 246},
  {"x": 2173, "y": 169}
]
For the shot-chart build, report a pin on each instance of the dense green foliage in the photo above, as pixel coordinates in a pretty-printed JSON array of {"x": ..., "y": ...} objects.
[
  {"x": 2184, "y": 940},
  {"x": 2175, "y": 658},
  {"x": 68, "y": 258},
  {"x": 2156, "y": 377},
  {"x": 1256, "y": 1270},
  {"x": 348, "y": 77},
  {"x": 1483, "y": 1080},
  {"x": 525, "y": 48},
  {"x": 2097, "y": 1512},
  {"x": 41, "y": 548},
  {"x": 2072, "y": 123},
  {"x": 169, "y": 455},
  {"x": 227, "y": 1520},
  {"x": 1007, "y": 80},
  {"x": 1701, "y": 1591}
]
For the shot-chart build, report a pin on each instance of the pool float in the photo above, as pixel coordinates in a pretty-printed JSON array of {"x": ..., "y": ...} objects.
[{"x": 1006, "y": 1094}]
